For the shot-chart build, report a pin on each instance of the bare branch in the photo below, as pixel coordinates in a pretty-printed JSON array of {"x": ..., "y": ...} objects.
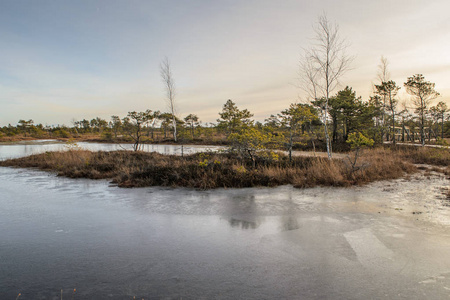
[
  {"x": 169, "y": 84},
  {"x": 383, "y": 72}
]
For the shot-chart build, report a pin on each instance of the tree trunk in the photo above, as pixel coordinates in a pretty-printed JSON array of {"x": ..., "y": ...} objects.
[
  {"x": 290, "y": 145},
  {"x": 334, "y": 129},
  {"x": 327, "y": 137},
  {"x": 422, "y": 132},
  {"x": 174, "y": 128},
  {"x": 393, "y": 127},
  {"x": 403, "y": 133}
]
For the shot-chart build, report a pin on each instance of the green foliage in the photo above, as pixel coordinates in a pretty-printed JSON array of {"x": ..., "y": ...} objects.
[
  {"x": 115, "y": 125},
  {"x": 423, "y": 93},
  {"x": 250, "y": 139},
  {"x": 252, "y": 143},
  {"x": 297, "y": 115},
  {"x": 442, "y": 142},
  {"x": 133, "y": 125},
  {"x": 203, "y": 163},
  {"x": 232, "y": 119},
  {"x": 349, "y": 113},
  {"x": 388, "y": 90},
  {"x": 167, "y": 122},
  {"x": 272, "y": 122},
  {"x": 107, "y": 134},
  {"x": 192, "y": 121},
  {"x": 61, "y": 133},
  {"x": 438, "y": 112},
  {"x": 357, "y": 140}
]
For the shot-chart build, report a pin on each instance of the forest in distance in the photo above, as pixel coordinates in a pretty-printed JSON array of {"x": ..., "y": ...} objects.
[{"x": 299, "y": 126}]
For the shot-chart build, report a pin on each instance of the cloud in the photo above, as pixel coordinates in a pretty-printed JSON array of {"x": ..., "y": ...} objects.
[{"x": 64, "y": 60}]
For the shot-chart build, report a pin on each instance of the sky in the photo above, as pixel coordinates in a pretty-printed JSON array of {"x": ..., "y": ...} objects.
[{"x": 67, "y": 60}]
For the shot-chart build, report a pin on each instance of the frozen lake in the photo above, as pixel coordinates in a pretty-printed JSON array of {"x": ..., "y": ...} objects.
[{"x": 386, "y": 240}]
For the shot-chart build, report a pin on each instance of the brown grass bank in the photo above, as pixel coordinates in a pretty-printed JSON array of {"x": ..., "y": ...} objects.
[
  {"x": 425, "y": 155},
  {"x": 207, "y": 171}
]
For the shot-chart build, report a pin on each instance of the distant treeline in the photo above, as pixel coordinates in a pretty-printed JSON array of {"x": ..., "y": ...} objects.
[{"x": 297, "y": 126}]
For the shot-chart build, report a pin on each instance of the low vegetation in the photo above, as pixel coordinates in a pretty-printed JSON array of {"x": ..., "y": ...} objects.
[
  {"x": 426, "y": 155},
  {"x": 218, "y": 170}
]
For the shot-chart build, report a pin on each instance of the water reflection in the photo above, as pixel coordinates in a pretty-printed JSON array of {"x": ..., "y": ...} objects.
[
  {"x": 243, "y": 209},
  {"x": 273, "y": 224},
  {"x": 243, "y": 224},
  {"x": 289, "y": 222}
]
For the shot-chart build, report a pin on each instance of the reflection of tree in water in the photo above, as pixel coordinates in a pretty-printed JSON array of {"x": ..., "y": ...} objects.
[
  {"x": 243, "y": 224},
  {"x": 243, "y": 204},
  {"x": 289, "y": 223}
]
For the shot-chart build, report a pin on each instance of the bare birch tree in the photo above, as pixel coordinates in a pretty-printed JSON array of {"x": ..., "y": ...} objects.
[
  {"x": 322, "y": 65},
  {"x": 383, "y": 75},
  {"x": 169, "y": 84}
]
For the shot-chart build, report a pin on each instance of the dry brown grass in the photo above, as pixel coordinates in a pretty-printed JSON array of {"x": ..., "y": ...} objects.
[
  {"x": 15, "y": 138},
  {"x": 324, "y": 172},
  {"x": 380, "y": 164},
  {"x": 426, "y": 155},
  {"x": 206, "y": 171}
]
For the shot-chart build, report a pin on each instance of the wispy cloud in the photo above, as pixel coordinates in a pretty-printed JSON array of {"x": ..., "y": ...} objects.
[{"x": 64, "y": 60}]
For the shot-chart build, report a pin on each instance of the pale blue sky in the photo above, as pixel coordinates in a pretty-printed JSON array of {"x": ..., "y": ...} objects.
[{"x": 64, "y": 60}]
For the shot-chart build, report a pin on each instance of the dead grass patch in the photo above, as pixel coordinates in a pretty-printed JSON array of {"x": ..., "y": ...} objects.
[
  {"x": 425, "y": 155},
  {"x": 207, "y": 171}
]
